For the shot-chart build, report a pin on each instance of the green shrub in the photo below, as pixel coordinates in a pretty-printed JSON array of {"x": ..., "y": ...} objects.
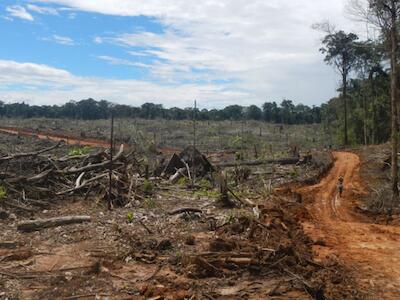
[
  {"x": 204, "y": 183},
  {"x": 3, "y": 192},
  {"x": 130, "y": 217},
  {"x": 148, "y": 187},
  {"x": 236, "y": 142},
  {"x": 182, "y": 181},
  {"x": 79, "y": 151}
]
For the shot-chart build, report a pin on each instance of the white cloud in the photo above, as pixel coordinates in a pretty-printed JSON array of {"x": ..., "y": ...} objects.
[
  {"x": 7, "y": 18},
  {"x": 63, "y": 40},
  {"x": 42, "y": 84},
  {"x": 118, "y": 61},
  {"x": 18, "y": 11},
  {"x": 71, "y": 16},
  {"x": 59, "y": 39},
  {"x": 266, "y": 48},
  {"x": 98, "y": 40},
  {"x": 137, "y": 53},
  {"x": 42, "y": 9}
]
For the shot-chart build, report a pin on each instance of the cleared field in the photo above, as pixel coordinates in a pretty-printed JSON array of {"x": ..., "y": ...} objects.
[
  {"x": 254, "y": 137},
  {"x": 161, "y": 239}
]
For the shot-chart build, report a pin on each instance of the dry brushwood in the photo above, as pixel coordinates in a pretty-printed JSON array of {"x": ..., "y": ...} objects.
[
  {"x": 282, "y": 161},
  {"x": 21, "y": 155},
  {"x": 32, "y": 179}
]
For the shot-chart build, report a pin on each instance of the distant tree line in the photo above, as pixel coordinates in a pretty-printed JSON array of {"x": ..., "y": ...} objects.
[{"x": 286, "y": 112}]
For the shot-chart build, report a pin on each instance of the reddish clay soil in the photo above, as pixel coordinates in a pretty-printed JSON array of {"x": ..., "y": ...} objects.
[
  {"x": 370, "y": 250},
  {"x": 55, "y": 137},
  {"x": 74, "y": 140}
]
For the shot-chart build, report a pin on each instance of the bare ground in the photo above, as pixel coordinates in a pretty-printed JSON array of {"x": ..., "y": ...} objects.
[
  {"x": 371, "y": 250},
  {"x": 111, "y": 257}
]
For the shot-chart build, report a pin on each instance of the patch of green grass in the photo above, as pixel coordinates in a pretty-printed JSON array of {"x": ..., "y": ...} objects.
[
  {"x": 294, "y": 173},
  {"x": 130, "y": 217},
  {"x": 233, "y": 216},
  {"x": 230, "y": 218},
  {"x": 79, "y": 151},
  {"x": 208, "y": 193},
  {"x": 3, "y": 192},
  {"x": 148, "y": 187},
  {"x": 236, "y": 142},
  {"x": 204, "y": 183},
  {"x": 149, "y": 203},
  {"x": 182, "y": 181}
]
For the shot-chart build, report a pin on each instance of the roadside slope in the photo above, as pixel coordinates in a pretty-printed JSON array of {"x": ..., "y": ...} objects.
[{"x": 371, "y": 250}]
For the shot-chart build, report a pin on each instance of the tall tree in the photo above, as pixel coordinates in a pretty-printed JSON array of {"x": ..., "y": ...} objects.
[
  {"x": 369, "y": 63},
  {"x": 385, "y": 14},
  {"x": 287, "y": 109},
  {"x": 253, "y": 112},
  {"x": 340, "y": 51}
]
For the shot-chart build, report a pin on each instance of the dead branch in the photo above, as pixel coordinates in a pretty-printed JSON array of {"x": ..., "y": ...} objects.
[
  {"x": 92, "y": 167},
  {"x": 20, "y": 207},
  {"x": 21, "y": 155},
  {"x": 83, "y": 185},
  {"x": 282, "y": 161},
  {"x": 246, "y": 202},
  {"x": 39, "y": 224},
  {"x": 145, "y": 227},
  {"x": 185, "y": 209},
  {"x": 179, "y": 173}
]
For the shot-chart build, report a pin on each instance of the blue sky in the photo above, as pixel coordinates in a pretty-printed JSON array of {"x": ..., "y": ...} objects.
[
  {"x": 41, "y": 41},
  {"x": 169, "y": 52}
]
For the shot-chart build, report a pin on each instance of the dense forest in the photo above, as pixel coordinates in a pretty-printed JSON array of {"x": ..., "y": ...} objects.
[
  {"x": 286, "y": 112},
  {"x": 367, "y": 107},
  {"x": 360, "y": 113}
]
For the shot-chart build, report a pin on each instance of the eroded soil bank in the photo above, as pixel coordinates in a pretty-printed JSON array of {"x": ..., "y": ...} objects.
[{"x": 370, "y": 250}]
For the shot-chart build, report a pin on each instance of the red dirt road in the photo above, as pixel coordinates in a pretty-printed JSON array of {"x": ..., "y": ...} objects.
[
  {"x": 371, "y": 251},
  {"x": 69, "y": 139},
  {"x": 55, "y": 137},
  {"x": 73, "y": 140}
]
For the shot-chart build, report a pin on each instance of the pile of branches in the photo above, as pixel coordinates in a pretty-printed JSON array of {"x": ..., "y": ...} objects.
[
  {"x": 272, "y": 244},
  {"x": 37, "y": 178}
]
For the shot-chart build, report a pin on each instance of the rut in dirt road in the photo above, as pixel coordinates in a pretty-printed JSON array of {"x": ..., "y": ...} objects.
[{"x": 372, "y": 251}]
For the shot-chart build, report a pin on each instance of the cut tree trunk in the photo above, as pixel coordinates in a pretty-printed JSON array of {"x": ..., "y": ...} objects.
[
  {"x": 21, "y": 155},
  {"x": 365, "y": 119},
  {"x": 393, "y": 92},
  {"x": 39, "y": 224},
  {"x": 346, "y": 138},
  {"x": 282, "y": 161}
]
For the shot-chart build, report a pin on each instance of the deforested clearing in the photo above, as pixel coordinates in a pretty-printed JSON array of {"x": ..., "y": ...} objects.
[{"x": 199, "y": 150}]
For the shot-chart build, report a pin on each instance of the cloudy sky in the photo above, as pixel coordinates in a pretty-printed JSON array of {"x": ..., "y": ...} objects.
[{"x": 219, "y": 52}]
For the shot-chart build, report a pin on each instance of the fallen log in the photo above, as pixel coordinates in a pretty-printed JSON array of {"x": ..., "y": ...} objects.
[
  {"x": 8, "y": 245},
  {"x": 20, "y": 155},
  {"x": 35, "y": 178},
  {"x": 39, "y": 203},
  {"x": 185, "y": 209},
  {"x": 20, "y": 207},
  {"x": 179, "y": 173},
  {"x": 83, "y": 157},
  {"x": 83, "y": 185},
  {"x": 39, "y": 224},
  {"x": 282, "y": 161},
  {"x": 246, "y": 202},
  {"x": 92, "y": 167}
]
